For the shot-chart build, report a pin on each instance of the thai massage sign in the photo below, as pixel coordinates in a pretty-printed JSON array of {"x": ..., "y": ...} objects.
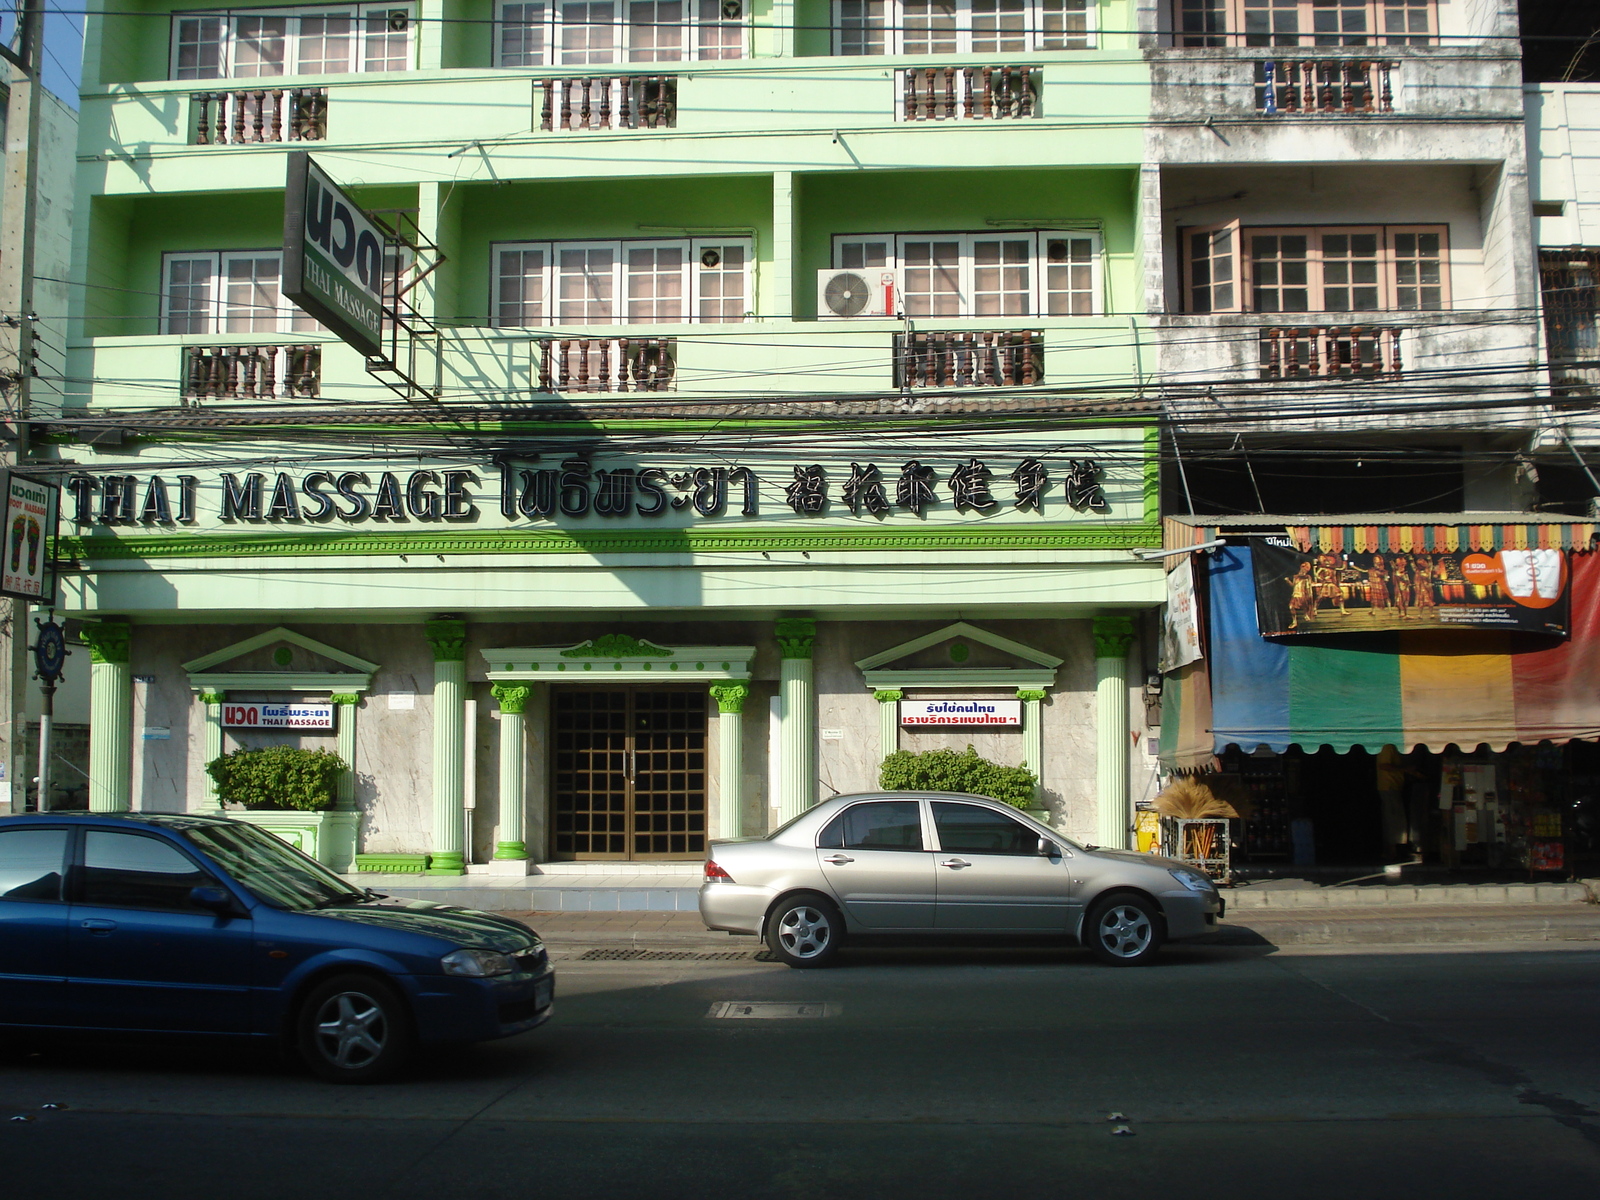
[
  {"x": 1325, "y": 590},
  {"x": 277, "y": 716},
  {"x": 1014, "y": 479},
  {"x": 332, "y": 256},
  {"x": 960, "y": 712},
  {"x": 29, "y": 521}
]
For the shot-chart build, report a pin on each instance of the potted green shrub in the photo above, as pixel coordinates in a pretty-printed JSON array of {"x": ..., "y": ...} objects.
[
  {"x": 964, "y": 771},
  {"x": 291, "y": 792}
]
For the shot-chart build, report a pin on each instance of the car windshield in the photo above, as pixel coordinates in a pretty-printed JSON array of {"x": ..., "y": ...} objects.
[{"x": 274, "y": 872}]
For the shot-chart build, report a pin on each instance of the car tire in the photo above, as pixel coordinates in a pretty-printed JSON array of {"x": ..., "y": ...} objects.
[
  {"x": 354, "y": 1029},
  {"x": 804, "y": 930},
  {"x": 1124, "y": 930}
]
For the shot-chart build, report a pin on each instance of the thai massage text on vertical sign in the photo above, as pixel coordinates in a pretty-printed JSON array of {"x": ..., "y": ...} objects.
[
  {"x": 30, "y": 513},
  {"x": 332, "y": 256},
  {"x": 277, "y": 716},
  {"x": 961, "y": 712}
]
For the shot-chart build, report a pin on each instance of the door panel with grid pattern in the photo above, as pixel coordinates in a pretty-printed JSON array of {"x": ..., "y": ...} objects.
[{"x": 629, "y": 774}]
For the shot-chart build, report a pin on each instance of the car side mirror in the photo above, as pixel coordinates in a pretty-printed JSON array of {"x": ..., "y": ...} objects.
[
  {"x": 214, "y": 899},
  {"x": 1047, "y": 848}
]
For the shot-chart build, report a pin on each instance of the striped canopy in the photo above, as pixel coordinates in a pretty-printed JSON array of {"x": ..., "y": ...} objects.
[{"x": 1429, "y": 688}]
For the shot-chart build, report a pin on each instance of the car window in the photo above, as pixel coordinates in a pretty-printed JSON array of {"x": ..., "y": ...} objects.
[
  {"x": 31, "y": 863},
  {"x": 131, "y": 870},
  {"x": 882, "y": 825},
  {"x": 272, "y": 870},
  {"x": 969, "y": 829}
]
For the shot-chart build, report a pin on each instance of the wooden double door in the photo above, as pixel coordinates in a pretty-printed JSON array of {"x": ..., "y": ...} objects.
[{"x": 629, "y": 773}]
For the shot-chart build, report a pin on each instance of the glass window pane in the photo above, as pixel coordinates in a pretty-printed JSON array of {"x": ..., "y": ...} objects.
[
  {"x": 721, "y": 29},
  {"x": 1002, "y": 277},
  {"x": 881, "y": 825},
  {"x": 720, "y": 278},
  {"x": 1069, "y": 276},
  {"x": 655, "y": 30},
  {"x": 1200, "y": 23},
  {"x": 189, "y": 295},
  {"x": 199, "y": 48},
  {"x": 1211, "y": 279},
  {"x": 522, "y": 35},
  {"x": 588, "y": 31},
  {"x": 1419, "y": 271},
  {"x": 250, "y": 293},
  {"x": 969, "y": 829},
  {"x": 1350, "y": 272},
  {"x": 31, "y": 863},
  {"x": 932, "y": 278},
  {"x": 388, "y": 40},
  {"x": 325, "y": 44},
  {"x": 584, "y": 286},
  {"x": 1272, "y": 23},
  {"x": 928, "y": 26},
  {"x": 520, "y": 298},
  {"x": 1064, "y": 25},
  {"x": 860, "y": 256},
  {"x": 999, "y": 26},
  {"x": 1339, "y": 22},
  {"x": 655, "y": 283},
  {"x": 1280, "y": 271},
  {"x": 131, "y": 870},
  {"x": 862, "y": 26},
  {"x": 258, "y": 46}
]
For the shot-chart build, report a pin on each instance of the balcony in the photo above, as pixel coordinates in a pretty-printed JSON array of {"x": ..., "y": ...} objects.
[
  {"x": 261, "y": 115},
  {"x": 609, "y": 102},
  {"x": 1328, "y": 86},
  {"x": 252, "y": 372},
  {"x": 1331, "y": 351},
  {"x": 984, "y": 358},
  {"x": 608, "y": 365},
  {"x": 968, "y": 93}
]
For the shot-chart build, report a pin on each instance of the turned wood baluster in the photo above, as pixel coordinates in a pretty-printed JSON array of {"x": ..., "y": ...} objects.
[
  {"x": 294, "y": 121},
  {"x": 276, "y": 129},
  {"x": 989, "y": 348},
  {"x": 583, "y": 365},
  {"x": 969, "y": 360},
  {"x": 931, "y": 105},
  {"x": 202, "y": 134},
  {"x": 1005, "y": 92},
  {"x": 605, "y": 101},
  {"x": 1348, "y": 77},
  {"x": 544, "y": 367},
  {"x": 1386, "y": 101},
  {"x": 627, "y": 108},
  {"x": 585, "y": 107},
  {"x": 566, "y": 102},
  {"x": 269, "y": 372},
  {"x": 966, "y": 91},
  {"x": 988, "y": 91},
  {"x": 1369, "y": 76},
  {"x": 1026, "y": 99},
  {"x": 258, "y": 114},
  {"x": 641, "y": 366},
  {"x": 950, "y": 93},
  {"x": 650, "y": 101},
  {"x": 1308, "y": 88},
  {"x": 1394, "y": 351},
  {"x": 908, "y": 95},
  {"x": 236, "y": 100},
  {"x": 546, "y": 114}
]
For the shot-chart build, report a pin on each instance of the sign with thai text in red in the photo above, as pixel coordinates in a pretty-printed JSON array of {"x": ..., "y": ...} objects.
[{"x": 277, "y": 716}]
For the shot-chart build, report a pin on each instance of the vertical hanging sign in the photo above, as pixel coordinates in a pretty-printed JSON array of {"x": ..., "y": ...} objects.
[
  {"x": 332, "y": 256},
  {"x": 30, "y": 530}
]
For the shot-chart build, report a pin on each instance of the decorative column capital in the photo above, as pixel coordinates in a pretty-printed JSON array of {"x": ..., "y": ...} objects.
[
  {"x": 448, "y": 637},
  {"x": 511, "y": 697},
  {"x": 347, "y": 699},
  {"x": 795, "y": 636},
  {"x": 888, "y": 695},
  {"x": 730, "y": 696},
  {"x": 107, "y": 640},
  {"x": 1027, "y": 694},
  {"x": 1112, "y": 636},
  {"x": 210, "y": 697}
]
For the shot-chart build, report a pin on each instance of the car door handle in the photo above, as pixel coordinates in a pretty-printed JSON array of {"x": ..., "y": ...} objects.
[
  {"x": 838, "y": 859},
  {"x": 98, "y": 927},
  {"x": 956, "y": 863}
]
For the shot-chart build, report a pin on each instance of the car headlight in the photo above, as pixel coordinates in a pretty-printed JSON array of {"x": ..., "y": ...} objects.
[
  {"x": 478, "y": 964},
  {"x": 1193, "y": 880}
]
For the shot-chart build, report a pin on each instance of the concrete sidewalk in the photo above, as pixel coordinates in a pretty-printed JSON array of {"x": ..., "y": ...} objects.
[{"x": 1410, "y": 925}]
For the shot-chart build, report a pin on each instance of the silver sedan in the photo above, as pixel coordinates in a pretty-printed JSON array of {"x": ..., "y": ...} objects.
[{"x": 945, "y": 863}]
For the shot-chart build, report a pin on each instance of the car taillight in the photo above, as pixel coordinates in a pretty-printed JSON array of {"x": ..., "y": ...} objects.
[{"x": 715, "y": 872}]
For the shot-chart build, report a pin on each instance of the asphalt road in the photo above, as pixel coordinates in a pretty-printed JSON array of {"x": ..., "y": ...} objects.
[{"x": 948, "y": 1073}]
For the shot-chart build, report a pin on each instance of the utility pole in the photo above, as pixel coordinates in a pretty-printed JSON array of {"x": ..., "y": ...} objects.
[{"x": 19, "y": 208}]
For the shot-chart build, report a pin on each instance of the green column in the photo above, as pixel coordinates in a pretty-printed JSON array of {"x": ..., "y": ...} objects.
[
  {"x": 1033, "y": 737},
  {"x": 730, "y": 698},
  {"x": 347, "y": 702},
  {"x": 513, "y": 701},
  {"x": 797, "y": 789},
  {"x": 888, "y": 719},
  {"x": 110, "y": 716},
  {"x": 209, "y": 802},
  {"x": 448, "y": 637},
  {"x": 1112, "y": 637}
]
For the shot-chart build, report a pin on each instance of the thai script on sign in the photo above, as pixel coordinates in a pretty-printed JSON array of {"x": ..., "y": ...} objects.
[
  {"x": 277, "y": 716},
  {"x": 961, "y": 712}
]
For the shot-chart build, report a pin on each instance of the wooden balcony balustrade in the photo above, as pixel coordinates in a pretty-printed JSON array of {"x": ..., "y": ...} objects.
[
  {"x": 981, "y": 358},
  {"x": 1329, "y": 86},
  {"x": 969, "y": 93},
  {"x": 610, "y": 102},
  {"x": 609, "y": 365},
  {"x": 252, "y": 372},
  {"x": 263, "y": 115},
  {"x": 1340, "y": 350}
]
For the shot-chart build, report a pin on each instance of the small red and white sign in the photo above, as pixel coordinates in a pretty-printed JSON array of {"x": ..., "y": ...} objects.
[
  {"x": 277, "y": 716},
  {"x": 961, "y": 712}
]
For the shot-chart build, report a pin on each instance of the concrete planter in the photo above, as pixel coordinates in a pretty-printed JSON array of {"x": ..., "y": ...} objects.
[{"x": 328, "y": 837}]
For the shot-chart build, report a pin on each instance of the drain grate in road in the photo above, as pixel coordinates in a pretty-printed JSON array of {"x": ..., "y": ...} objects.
[
  {"x": 619, "y": 955},
  {"x": 770, "y": 1010}
]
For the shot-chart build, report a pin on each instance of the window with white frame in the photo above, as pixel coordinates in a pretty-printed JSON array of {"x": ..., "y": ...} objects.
[
  {"x": 586, "y": 32},
  {"x": 961, "y": 26},
  {"x": 643, "y": 281},
  {"x": 227, "y": 291},
  {"x": 292, "y": 41},
  {"x": 1370, "y": 268},
  {"x": 1022, "y": 274},
  {"x": 1305, "y": 22}
]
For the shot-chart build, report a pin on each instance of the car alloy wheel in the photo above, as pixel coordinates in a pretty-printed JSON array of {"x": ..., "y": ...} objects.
[
  {"x": 1125, "y": 930},
  {"x": 354, "y": 1029},
  {"x": 804, "y": 932}
]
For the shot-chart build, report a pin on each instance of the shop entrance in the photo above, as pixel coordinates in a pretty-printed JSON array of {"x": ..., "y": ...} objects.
[{"x": 629, "y": 773}]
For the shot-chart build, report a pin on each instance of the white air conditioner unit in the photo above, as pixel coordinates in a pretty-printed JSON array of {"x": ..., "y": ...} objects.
[{"x": 867, "y": 292}]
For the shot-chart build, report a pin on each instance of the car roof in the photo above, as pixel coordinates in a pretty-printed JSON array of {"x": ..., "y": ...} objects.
[{"x": 78, "y": 817}]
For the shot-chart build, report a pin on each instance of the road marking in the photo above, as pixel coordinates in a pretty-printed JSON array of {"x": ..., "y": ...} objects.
[{"x": 770, "y": 1010}]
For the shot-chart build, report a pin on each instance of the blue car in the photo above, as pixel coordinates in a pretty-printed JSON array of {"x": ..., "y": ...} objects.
[{"x": 167, "y": 923}]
